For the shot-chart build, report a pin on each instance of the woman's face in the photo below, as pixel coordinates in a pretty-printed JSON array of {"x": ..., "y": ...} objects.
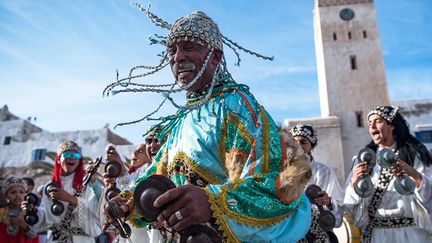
[
  {"x": 15, "y": 194},
  {"x": 69, "y": 161}
]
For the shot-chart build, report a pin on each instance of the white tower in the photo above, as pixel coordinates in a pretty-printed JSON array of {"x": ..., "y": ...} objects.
[{"x": 350, "y": 68}]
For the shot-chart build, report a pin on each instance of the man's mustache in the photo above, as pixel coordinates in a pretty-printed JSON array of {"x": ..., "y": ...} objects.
[{"x": 190, "y": 66}]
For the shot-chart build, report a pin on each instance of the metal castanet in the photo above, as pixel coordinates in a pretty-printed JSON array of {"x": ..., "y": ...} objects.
[
  {"x": 151, "y": 188},
  {"x": 113, "y": 212},
  {"x": 403, "y": 184},
  {"x": 113, "y": 168},
  {"x": 31, "y": 217},
  {"x": 326, "y": 219},
  {"x": 58, "y": 207},
  {"x": 364, "y": 186}
]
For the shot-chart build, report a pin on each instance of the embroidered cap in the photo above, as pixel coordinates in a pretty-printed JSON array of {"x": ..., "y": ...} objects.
[
  {"x": 68, "y": 146},
  {"x": 13, "y": 181},
  {"x": 196, "y": 26},
  {"x": 307, "y": 131},
  {"x": 386, "y": 112}
]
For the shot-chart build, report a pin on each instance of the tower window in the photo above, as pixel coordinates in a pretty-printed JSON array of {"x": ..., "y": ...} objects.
[
  {"x": 349, "y": 35},
  {"x": 334, "y": 36},
  {"x": 7, "y": 140},
  {"x": 353, "y": 61},
  {"x": 364, "y": 34},
  {"x": 359, "y": 118}
]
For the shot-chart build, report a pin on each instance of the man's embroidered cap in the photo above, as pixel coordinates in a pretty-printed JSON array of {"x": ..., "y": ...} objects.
[
  {"x": 196, "y": 26},
  {"x": 307, "y": 131},
  {"x": 386, "y": 112}
]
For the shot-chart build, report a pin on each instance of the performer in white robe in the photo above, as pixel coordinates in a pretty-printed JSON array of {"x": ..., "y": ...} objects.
[
  {"x": 79, "y": 222},
  {"x": 141, "y": 158},
  {"x": 331, "y": 196},
  {"x": 387, "y": 215}
]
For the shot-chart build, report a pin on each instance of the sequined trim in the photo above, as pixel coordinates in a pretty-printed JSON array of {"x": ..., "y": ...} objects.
[
  {"x": 264, "y": 145},
  {"x": 241, "y": 128},
  {"x": 222, "y": 202},
  {"x": 223, "y": 136},
  {"x": 253, "y": 159},
  {"x": 251, "y": 110},
  {"x": 194, "y": 167},
  {"x": 220, "y": 221},
  {"x": 264, "y": 141}
]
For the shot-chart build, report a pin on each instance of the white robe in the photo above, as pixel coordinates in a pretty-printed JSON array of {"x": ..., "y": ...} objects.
[
  {"x": 417, "y": 206},
  {"x": 84, "y": 215}
]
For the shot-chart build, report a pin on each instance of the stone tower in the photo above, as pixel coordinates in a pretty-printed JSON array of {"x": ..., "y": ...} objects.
[{"x": 350, "y": 68}]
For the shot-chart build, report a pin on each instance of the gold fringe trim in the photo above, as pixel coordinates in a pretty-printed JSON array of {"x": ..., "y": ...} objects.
[
  {"x": 223, "y": 134},
  {"x": 193, "y": 166},
  {"x": 220, "y": 221},
  {"x": 221, "y": 199},
  {"x": 222, "y": 141},
  {"x": 264, "y": 141}
]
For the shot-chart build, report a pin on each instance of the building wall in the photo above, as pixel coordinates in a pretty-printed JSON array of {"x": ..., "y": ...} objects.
[{"x": 418, "y": 113}]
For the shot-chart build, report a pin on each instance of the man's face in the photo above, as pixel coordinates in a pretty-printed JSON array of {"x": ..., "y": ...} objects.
[
  {"x": 186, "y": 59},
  {"x": 152, "y": 146},
  {"x": 139, "y": 156},
  {"x": 15, "y": 194},
  {"x": 304, "y": 143},
  {"x": 380, "y": 131},
  {"x": 69, "y": 161}
]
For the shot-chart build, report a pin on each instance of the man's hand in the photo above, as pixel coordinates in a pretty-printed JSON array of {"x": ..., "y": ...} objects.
[
  {"x": 360, "y": 169},
  {"x": 108, "y": 181},
  {"x": 322, "y": 199},
  {"x": 62, "y": 195},
  {"x": 185, "y": 206},
  {"x": 112, "y": 154},
  {"x": 27, "y": 207},
  {"x": 402, "y": 168}
]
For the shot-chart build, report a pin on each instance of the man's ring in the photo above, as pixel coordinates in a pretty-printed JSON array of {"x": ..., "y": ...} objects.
[{"x": 178, "y": 215}]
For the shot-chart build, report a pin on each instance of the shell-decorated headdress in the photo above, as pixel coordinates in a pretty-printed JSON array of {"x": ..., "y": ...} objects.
[
  {"x": 387, "y": 112},
  {"x": 196, "y": 26}
]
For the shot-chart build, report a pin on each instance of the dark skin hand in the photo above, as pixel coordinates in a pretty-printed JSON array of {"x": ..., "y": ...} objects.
[
  {"x": 190, "y": 200},
  {"x": 322, "y": 199}
]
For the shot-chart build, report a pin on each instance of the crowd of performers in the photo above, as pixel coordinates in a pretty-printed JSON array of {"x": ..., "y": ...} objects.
[{"x": 220, "y": 169}]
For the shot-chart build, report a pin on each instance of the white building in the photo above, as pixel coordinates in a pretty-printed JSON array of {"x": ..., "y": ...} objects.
[{"x": 22, "y": 142}]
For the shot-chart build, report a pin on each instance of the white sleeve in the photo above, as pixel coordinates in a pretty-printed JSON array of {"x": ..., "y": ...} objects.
[
  {"x": 424, "y": 192},
  {"x": 87, "y": 212},
  {"x": 422, "y": 198}
]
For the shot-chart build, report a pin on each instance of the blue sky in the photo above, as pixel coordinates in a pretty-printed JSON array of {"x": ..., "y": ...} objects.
[{"x": 57, "y": 56}]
